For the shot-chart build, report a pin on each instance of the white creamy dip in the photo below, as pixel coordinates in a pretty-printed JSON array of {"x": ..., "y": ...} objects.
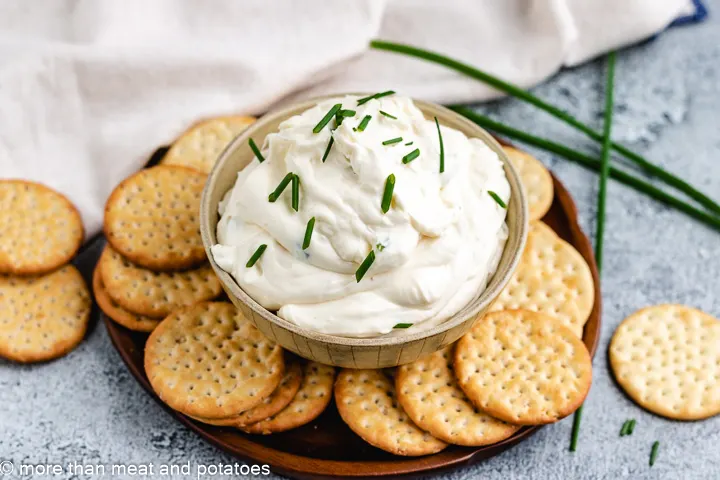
[{"x": 434, "y": 249}]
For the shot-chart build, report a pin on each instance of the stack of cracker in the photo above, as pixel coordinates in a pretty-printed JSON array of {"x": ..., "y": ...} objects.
[{"x": 44, "y": 302}]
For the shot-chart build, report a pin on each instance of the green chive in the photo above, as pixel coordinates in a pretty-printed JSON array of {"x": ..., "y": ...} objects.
[
  {"x": 346, "y": 113},
  {"x": 374, "y": 96},
  {"x": 388, "y": 115},
  {"x": 256, "y": 256},
  {"x": 380, "y": 247},
  {"x": 409, "y": 143},
  {"x": 624, "y": 428},
  {"x": 576, "y": 428},
  {"x": 308, "y": 233},
  {"x": 256, "y": 150},
  {"x": 327, "y": 150},
  {"x": 328, "y": 116},
  {"x": 442, "y": 147},
  {"x": 363, "y": 123},
  {"x": 631, "y": 427},
  {"x": 654, "y": 452},
  {"x": 278, "y": 191},
  {"x": 392, "y": 140},
  {"x": 388, "y": 193},
  {"x": 497, "y": 198},
  {"x": 364, "y": 266},
  {"x": 411, "y": 156},
  {"x": 295, "y": 193},
  {"x": 403, "y": 325}
]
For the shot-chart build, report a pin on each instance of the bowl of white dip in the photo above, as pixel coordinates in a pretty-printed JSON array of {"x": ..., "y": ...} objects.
[{"x": 363, "y": 230}]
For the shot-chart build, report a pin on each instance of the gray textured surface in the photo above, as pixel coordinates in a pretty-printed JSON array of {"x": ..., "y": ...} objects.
[{"x": 87, "y": 408}]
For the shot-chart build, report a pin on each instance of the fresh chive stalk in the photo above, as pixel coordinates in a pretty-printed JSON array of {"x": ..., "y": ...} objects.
[
  {"x": 521, "y": 94},
  {"x": 403, "y": 325},
  {"x": 295, "y": 193},
  {"x": 590, "y": 163},
  {"x": 497, "y": 199},
  {"x": 328, "y": 116},
  {"x": 388, "y": 115},
  {"x": 631, "y": 427},
  {"x": 388, "y": 193},
  {"x": 624, "y": 428},
  {"x": 654, "y": 452},
  {"x": 364, "y": 266},
  {"x": 409, "y": 143},
  {"x": 256, "y": 256},
  {"x": 374, "y": 96},
  {"x": 363, "y": 123},
  {"x": 256, "y": 150},
  {"x": 281, "y": 186},
  {"x": 346, "y": 113},
  {"x": 392, "y": 140},
  {"x": 308, "y": 233},
  {"x": 442, "y": 147},
  {"x": 411, "y": 156},
  {"x": 327, "y": 150}
]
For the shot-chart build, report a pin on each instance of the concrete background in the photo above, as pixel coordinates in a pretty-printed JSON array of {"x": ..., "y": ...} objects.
[{"x": 86, "y": 407}]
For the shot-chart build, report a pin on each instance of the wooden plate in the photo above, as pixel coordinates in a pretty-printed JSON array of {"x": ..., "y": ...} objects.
[{"x": 327, "y": 448}]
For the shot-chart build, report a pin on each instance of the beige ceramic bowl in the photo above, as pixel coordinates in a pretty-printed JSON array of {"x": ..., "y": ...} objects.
[{"x": 358, "y": 352}]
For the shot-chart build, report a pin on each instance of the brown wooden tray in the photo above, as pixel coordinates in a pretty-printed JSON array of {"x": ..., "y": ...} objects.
[{"x": 327, "y": 448}]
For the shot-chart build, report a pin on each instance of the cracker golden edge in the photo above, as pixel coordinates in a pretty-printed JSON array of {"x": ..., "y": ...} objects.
[
  {"x": 148, "y": 262},
  {"x": 540, "y": 210},
  {"x": 59, "y": 261}
]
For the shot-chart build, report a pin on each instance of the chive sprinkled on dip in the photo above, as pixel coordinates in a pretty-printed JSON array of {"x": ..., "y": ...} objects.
[
  {"x": 375, "y": 96},
  {"x": 385, "y": 114},
  {"x": 365, "y": 266},
  {"x": 256, "y": 150},
  {"x": 497, "y": 198},
  {"x": 326, "y": 119},
  {"x": 308, "y": 233},
  {"x": 364, "y": 123},
  {"x": 411, "y": 156},
  {"x": 388, "y": 193},
  {"x": 281, "y": 186},
  {"x": 392, "y": 140},
  {"x": 256, "y": 256}
]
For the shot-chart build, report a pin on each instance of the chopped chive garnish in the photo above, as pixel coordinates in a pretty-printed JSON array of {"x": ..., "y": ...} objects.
[
  {"x": 403, "y": 325},
  {"x": 281, "y": 186},
  {"x": 256, "y": 256},
  {"x": 411, "y": 156},
  {"x": 631, "y": 427},
  {"x": 346, "y": 113},
  {"x": 374, "y": 96},
  {"x": 409, "y": 143},
  {"x": 624, "y": 428},
  {"x": 388, "y": 193},
  {"x": 442, "y": 147},
  {"x": 295, "y": 192},
  {"x": 308, "y": 233},
  {"x": 380, "y": 247},
  {"x": 364, "y": 266},
  {"x": 497, "y": 198},
  {"x": 256, "y": 150},
  {"x": 388, "y": 115},
  {"x": 326, "y": 119},
  {"x": 576, "y": 429},
  {"x": 327, "y": 150},
  {"x": 654, "y": 452},
  {"x": 392, "y": 140},
  {"x": 363, "y": 123}
]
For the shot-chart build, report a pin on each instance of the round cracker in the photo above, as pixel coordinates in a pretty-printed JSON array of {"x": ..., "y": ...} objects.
[
  {"x": 43, "y": 317},
  {"x": 153, "y": 218},
  {"x": 309, "y": 402},
  {"x": 201, "y": 145},
  {"x": 155, "y": 294},
  {"x": 129, "y": 320},
  {"x": 536, "y": 180},
  {"x": 367, "y": 403},
  {"x": 40, "y": 229},
  {"x": 272, "y": 404},
  {"x": 523, "y": 367},
  {"x": 667, "y": 359},
  {"x": 209, "y": 361},
  {"x": 551, "y": 278},
  {"x": 430, "y": 395}
]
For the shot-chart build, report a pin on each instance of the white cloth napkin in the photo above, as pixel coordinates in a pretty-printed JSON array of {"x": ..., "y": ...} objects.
[{"x": 89, "y": 88}]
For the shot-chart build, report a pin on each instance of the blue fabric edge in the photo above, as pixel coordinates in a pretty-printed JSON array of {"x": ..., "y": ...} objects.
[{"x": 700, "y": 14}]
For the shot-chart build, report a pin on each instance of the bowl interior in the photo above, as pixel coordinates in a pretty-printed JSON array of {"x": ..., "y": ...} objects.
[{"x": 238, "y": 154}]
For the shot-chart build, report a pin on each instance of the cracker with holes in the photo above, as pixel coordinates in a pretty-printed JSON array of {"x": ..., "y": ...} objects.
[
  {"x": 42, "y": 317},
  {"x": 209, "y": 361},
  {"x": 155, "y": 294},
  {"x": 428, "y": 392},
  {"x": 202, "y": 144},
  {"x": 523, "y": 367},
  {"x": 367, "y": 402},
  {"x": 552, "y": 278},
  {"x": 535, "y": 179},
  {"x": 309, "y": 402},
  {"x": 40, "y": 229},
  {"x": 152, "y": 218},
  {"x": 667, "y": 359},
  {"x": 271, "y": 405},
  {"x": 129, "y": 320}
]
